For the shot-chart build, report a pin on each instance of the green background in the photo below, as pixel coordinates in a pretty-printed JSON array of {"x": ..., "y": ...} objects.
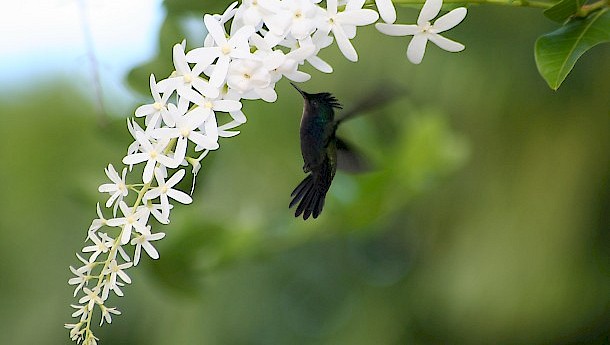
[{"x": 485, "y": 221}]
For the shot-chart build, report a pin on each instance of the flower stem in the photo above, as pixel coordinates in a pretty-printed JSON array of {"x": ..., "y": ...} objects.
[
  {"x": 115, "y": 246},
  {"x": 588, "y": 8}
]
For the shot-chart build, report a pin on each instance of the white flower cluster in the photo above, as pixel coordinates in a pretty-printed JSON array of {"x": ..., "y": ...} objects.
[{"x": 248, "y": 49}]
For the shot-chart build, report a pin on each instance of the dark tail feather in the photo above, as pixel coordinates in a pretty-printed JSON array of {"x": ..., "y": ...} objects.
[
  {"x": 310, "y": 196},
  {"x": 299, "y": 192}
]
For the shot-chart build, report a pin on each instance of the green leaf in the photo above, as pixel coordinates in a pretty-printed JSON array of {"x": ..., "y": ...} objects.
[
  {"x": 563, "y": 10},
  {"x": 557, "y": 52}
]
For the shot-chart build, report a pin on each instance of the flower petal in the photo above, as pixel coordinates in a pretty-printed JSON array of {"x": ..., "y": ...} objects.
[
  {"x": 205, "y": 88},
  {"x": 180, "y": 149},
  {"x": 446, "y": 44},
  {"x": 331, "y": 7},
  {"x": 150, "y": 250},
  {"x": 145, "y": 110},
  {"x": 238, "y": 116},
  {"x": 177, "y": 177},
  {"x": 320, "y": 64},
  {"x": 386, "y": 10},
  {"x": 344, "y": 44},
  {"x": 203, "y": 140},
  {"x": 179, "y": 196},
  {"x": 417, "y": 48},
  {"x": 215, "y": 29},
  {"x": 354, "y": 5},
  {"x": 430, "y": 10},
  {"x": 240, "y": 38},
  {"x": 148, "y": 171},
  {"x": 220, "y": 71},
  {"x": 397, "y": 29},
  {"x": 450, "y": 20},
  {"x": 358, "y": 17},
  {"x": 180, "y": 60},
  {"x": 227, "y": 105},
  {"x": 203, "y": 55},
  {"x": 135, "y": 158},
  {"x": 125, "y": 234}
]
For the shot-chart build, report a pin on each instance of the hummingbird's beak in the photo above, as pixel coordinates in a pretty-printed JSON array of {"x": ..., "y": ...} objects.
[{"x": 303, "y": 93}]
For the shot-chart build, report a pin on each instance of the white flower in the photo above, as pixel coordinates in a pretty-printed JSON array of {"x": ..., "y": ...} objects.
[
  {"x": 302, "y": 17},
  {"x": 118, "y": 189},
  {"x": 130, "y": 220},
  {"x": 184, "y": 79},
  {"x": 185, "y": 130},
  {"x": 155, "y": 209},
  {"x": 87, "y": 265},
  {"x": 211, "y": 105},
  {"x": 99, "y": 246},
  {"x": 143, "y": 241},
  {"x": 280, "y": 64},
  {"x": 96, "y": 224},
  {"x": 91, "y": 298},
  {"x": 115, "y": 270},
  {"x": 80, "y": 280},
  {"x": 152, "y": 154},
  {"x": 164, "y": 191},
  {"x": 106, "y": 314},
  {"x": 386, "y": 10},
  {"x": 424, "y": 31},
  {"x": 156, "y": 110},
  {"x": 236, "y": 47},
  {"x": 343, "y": 24},
  {"x": 250, "y": 76},
  {"x": 133, "y": 128},
  {"x": 81, "y": 310},
  {"x": 254, "y": 12},
  {"x": 319, "y": 40},
  {"x": 237, "y": 115},
  {"x": 227, "y": 14},
  {"x": 290, "y": 64},
  {"x": 76, "y": 333}
]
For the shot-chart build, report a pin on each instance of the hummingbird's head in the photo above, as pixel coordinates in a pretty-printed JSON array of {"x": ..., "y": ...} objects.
[{"x": 318, "y": 100}]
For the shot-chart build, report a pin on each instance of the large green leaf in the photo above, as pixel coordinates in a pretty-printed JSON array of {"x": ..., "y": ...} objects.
[
  {"x": 563, "y": 10},
  {"x": 557, "y": 52}
]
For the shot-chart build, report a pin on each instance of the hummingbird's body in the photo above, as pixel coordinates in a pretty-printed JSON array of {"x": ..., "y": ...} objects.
[
  {"x": 319, "y": 150},
  {"x": 323, "y": 152}
]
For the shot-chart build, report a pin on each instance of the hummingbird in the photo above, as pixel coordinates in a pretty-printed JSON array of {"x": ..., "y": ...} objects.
[{"x": 323, "y": 151}]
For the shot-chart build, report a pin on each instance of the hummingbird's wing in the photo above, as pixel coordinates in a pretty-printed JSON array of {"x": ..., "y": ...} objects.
[
  {"x": 378, "y": 97},
  {"x": 350, "y": 159}
]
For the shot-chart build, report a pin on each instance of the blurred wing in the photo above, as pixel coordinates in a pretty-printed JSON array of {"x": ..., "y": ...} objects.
[
  {"x": 350, "y": 160},
  {"x": 377, "y": 97}
]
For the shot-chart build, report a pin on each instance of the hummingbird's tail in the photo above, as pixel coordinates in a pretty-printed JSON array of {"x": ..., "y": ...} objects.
[{"x": 310, "y": 195}]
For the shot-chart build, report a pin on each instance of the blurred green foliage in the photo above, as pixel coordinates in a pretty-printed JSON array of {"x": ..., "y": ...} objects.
[{"x": 486, "y": 220}]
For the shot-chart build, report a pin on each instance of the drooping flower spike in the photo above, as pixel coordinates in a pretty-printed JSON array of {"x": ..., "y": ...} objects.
[{"x": 199, "y": 103}]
